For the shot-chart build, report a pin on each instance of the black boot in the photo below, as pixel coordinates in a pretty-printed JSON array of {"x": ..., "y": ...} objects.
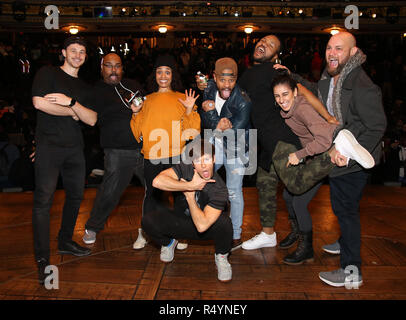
[
  {"x": 304, "y": 250},
  {"x": 42, "y": 263},
  {"x": 292, "y": 237}
]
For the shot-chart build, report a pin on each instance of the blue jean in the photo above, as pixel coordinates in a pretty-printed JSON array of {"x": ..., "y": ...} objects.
[
  {"x": 119, "y": 167},
  {"x": 235, "y": 170}
]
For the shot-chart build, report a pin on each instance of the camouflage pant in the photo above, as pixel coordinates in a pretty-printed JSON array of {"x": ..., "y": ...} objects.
[
  {"x": 298, "y": 179},
  {"x": 267, "y": 184}
]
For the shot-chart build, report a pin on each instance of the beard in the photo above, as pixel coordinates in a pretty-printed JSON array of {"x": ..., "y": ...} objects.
[
  {"x": 262, "y": 59},
  {"x": 337, "y": 71}
]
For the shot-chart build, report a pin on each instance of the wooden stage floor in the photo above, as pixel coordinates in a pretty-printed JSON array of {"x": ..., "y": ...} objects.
[{"x": 116, "y": 271}]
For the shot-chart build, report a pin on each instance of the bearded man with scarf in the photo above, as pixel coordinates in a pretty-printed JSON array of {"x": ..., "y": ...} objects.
[{"x": 356, "y": 102}]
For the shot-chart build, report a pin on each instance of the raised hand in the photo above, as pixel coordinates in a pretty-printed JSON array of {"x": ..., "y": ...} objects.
[
  {"x": 279, "y": 66},
  {"x": 200, "y": 83},
  {"x": 190, "y": 99},
  {"x": 198, "y": 183}
]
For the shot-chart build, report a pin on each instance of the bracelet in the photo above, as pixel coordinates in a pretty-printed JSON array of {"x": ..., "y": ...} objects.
[{"x": 72, "y": 103}]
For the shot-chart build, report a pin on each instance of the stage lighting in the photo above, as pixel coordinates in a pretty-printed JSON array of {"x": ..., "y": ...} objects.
[
  {"x": 225, "y": 13},
  {"x": 237, "y": 14},
  {"x": 123, "y": 11},
  {"x": 195, "y": 13}
]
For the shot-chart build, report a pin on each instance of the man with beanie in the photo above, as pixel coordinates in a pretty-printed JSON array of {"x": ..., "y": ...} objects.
[
  {"x": 227, "y": 107},
  {"x": 122, "y": 153},
  {"x": 59, "y": 97}
]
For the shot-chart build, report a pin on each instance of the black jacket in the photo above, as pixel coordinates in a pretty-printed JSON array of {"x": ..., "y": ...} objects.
[{"x": 237, "y": 109}]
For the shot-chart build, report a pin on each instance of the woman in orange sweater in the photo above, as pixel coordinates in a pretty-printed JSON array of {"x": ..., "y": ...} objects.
[{"x": 164, "y": 122}]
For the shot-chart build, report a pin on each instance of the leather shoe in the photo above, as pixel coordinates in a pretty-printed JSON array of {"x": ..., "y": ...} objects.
[
  {"x": 42, "y": 263},
  {"x": 71, "y": 247}
]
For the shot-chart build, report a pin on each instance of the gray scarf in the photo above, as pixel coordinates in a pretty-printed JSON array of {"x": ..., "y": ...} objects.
[{"x": 355, "y": 61}]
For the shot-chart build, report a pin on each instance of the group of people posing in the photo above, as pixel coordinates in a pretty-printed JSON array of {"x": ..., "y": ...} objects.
[{"x": 306, "y": 131}]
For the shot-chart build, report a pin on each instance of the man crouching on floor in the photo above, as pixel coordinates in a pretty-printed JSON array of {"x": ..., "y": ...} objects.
[{"x": 200, "y": 209}]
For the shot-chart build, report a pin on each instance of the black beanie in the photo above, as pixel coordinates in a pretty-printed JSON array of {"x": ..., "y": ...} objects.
[
  {"x": 166, "y": 60},
  {"x": 74, "y": 39}
]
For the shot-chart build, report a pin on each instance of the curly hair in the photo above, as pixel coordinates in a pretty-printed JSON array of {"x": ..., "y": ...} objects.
[{"x": 176, "y": 84}]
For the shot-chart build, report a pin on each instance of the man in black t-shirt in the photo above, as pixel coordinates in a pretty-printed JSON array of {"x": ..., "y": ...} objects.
[
  {"x": 200, "y": 214},
  {"x": 59, "y": 96},
  {"x": 122, "y": 152}
]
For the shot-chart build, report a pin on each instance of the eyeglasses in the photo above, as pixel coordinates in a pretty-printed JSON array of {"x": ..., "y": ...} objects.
[{"x": 110, "y": 66}]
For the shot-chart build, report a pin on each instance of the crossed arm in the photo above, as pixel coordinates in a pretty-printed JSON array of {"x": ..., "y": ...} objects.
[{"x": 57, "y": 104}]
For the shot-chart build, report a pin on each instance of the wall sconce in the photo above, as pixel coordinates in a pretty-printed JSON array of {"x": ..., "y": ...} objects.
[
  {"x": 73, "y": 30},
  {"x": 162, "y": 29},
  {"x": 248, "y": 29}
]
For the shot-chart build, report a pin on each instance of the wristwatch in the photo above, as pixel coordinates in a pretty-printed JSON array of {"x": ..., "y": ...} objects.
[{"x": 72, "y": 103}]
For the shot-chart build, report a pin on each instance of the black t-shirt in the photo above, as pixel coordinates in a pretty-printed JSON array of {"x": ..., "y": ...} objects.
[
  {"x": 214, "y": 194},
  {"x": 113, "y": 117},
  {"x": 59, "y": 130},
  {"x": 265, "y": 116}
]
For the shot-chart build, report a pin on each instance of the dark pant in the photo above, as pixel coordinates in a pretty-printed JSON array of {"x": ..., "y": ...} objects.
[
  {"x": 119, "y": 168},
  {"x": 49, "y": 162},
  {"x": 151, "y": 170},
  {"x": 163, "y": 224},
  {"x": 346, "y": 193},
  {"x": 297, "y": 207}
]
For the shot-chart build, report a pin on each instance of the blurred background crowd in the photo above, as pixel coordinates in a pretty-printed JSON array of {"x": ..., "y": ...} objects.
[{"x": 303, "y": 54}]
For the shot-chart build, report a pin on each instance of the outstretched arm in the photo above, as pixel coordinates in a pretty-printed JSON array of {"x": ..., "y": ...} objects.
[{"x": 316, "y": 104}]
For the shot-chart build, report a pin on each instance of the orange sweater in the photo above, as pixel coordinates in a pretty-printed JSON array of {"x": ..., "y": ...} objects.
[{"x": 162, "y": 122}]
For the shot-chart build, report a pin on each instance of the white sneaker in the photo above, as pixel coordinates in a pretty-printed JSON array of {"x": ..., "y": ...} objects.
[
  {"x": 224, "y": 271},
  {"x": 89, "y": 237},
  {"x": 140, "y": 242},
  {"x": 182, "y": 246},
  {"x": 261, "y": 240},
  {"x": 168, "y": 252},
  {"x": 349, "y": 147}
]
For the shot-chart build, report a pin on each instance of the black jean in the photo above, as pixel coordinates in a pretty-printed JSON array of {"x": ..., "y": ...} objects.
[
  {"x": 297, "y": 207},
  {"x": 50, "y": 161},
  {"x": 119, "y": 167},
  {"x": 151, "y": 169},
  {"x": 346, "y": 193},
  {"x": 163, "y": 224}
]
